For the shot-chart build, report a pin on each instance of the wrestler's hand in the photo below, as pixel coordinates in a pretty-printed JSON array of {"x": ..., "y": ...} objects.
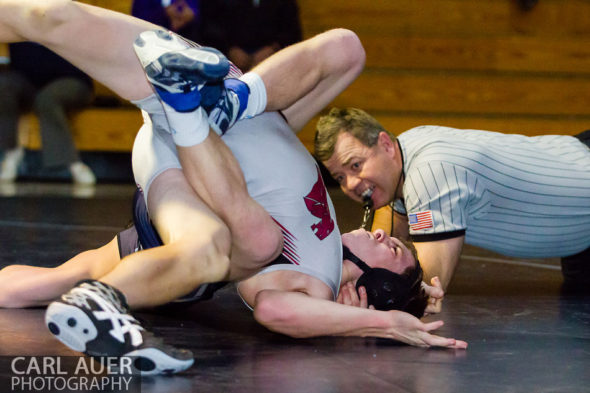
[
  {"x": 435, "y": 296},
  {"x": 410, "y": 330},
  {"x": 350, "y": 297}
]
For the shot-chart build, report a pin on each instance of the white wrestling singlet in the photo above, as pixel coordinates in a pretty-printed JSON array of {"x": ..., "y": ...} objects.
[{"x": 280, "y": 175}]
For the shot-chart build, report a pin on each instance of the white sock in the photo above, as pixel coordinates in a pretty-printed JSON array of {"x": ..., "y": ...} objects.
[
  {"x": 257, "y": 99},
  {"x": 187, "y": 128}
]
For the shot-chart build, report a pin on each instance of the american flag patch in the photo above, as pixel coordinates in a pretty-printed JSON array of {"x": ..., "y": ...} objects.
[{"x": 420, "y": 220}]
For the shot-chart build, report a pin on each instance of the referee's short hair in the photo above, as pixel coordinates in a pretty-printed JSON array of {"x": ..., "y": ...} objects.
[{"x": 355, "y": 121}]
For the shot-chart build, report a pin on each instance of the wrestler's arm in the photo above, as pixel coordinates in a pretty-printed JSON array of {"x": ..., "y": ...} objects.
[
  {"x": 300, "y": 305},
  {"x": 440, "y": 258},
  {"x": 400, "y": 226},
  {"x": 32, "y": 286},
  {"x": 299, "y": 315},
  {"x": 437, "y": 258}
]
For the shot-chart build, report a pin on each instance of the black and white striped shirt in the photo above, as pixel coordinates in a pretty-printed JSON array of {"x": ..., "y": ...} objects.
[{"x": 516, "y": 195}]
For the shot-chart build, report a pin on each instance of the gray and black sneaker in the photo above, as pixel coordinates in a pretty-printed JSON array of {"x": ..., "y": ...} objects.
[
  {"x": 176, "y": 69},
  {"x": 94, "y": 318}
]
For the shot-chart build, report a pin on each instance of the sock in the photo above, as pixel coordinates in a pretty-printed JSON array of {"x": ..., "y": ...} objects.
[
  {"x": 187, "y": 128},
  {"x": 257, "y": 99}
]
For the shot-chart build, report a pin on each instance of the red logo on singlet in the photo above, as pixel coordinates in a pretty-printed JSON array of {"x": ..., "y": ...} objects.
[{"x": 317, "y": 204}]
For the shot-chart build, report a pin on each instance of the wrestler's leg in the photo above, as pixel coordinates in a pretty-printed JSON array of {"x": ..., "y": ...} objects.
[
  {"x": 31, "y": 286},
  {"x": 94, "y": 316},
  {"x": 224, "y": 260},
  {"x": 254, "y": 234},
  {"x": 96, "y": 40},
  {"x": 196, "y": 247},
  {"x": 253, "y": 231}
]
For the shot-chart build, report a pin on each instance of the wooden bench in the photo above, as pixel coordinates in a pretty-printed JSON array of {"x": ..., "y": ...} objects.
[{"x": 94, "y": 129}]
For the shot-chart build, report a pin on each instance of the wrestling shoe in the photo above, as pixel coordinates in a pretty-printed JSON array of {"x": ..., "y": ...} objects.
[
  {"x": 229, "y": 107},
  {"x": 94, "y": 318},
  {"x": 176, "y": 70}
]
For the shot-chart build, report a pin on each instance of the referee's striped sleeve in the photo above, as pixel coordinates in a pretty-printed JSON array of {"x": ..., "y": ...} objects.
[{"x": 445, "y": 190}]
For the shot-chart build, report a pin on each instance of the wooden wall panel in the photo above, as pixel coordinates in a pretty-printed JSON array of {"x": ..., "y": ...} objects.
[
  {"x": 448, "y": 18},
  {"x": 490, "y": 54},
  {"x": 468, "y": 93}
]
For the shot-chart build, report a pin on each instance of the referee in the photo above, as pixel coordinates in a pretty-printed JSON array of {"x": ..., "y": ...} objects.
[{"x": 516, "y": 195}]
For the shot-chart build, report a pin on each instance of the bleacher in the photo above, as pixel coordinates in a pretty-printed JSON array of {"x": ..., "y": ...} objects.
[{"x": 482, "y": 64}]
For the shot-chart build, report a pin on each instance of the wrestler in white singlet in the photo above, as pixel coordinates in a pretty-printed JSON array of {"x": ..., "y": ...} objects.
[{"x": 280, "y": 175}]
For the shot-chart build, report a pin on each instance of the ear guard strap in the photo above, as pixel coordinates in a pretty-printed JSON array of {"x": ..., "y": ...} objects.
[{"x": 347, "y": 254}]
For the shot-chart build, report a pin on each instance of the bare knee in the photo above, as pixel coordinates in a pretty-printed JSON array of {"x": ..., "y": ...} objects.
[{"x": 342, "y": 50}]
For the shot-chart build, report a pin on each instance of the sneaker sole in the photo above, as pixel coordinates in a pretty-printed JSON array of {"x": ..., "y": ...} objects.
[
  {"x": 70, "y": 325},
  {"x": 160, "y": 42},
  {"x": 154, "y": 46},
  {"x": 152, "y": 361},
  {"x": 198, "y": 64}
]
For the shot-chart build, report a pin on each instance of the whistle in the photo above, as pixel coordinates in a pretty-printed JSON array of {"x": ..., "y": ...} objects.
[{"x": 367, "y": 201}]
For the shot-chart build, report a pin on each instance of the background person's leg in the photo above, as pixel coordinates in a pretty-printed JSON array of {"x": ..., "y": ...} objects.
[
  {"x": 52, "y": 104},
  {"x": 13, "y": 87},
  {"x": 16, "y": 97}
]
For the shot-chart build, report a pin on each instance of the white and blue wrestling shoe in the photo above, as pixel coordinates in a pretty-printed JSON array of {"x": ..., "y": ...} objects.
[
  {"x": 94, "y": 318},
  {"x": 229, "y": 107},
  {"x": 177, "y": 70}
]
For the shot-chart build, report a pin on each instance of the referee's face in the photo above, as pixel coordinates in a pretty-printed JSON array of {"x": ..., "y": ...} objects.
[{"x": 358, "y": 168}]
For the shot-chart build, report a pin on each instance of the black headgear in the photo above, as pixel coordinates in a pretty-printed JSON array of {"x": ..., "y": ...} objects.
[{"x": 386, "y": 290}]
